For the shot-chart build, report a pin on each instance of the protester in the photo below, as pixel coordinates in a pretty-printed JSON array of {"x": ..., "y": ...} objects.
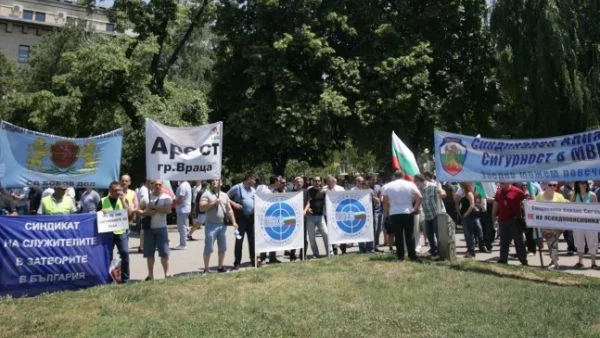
[
  {"x": 314, "y": 211},
  {"x": 131, "y": 198},
  {"x": 116, "y": 201},
  {"x": 7, "y": 204},
  {"x": 401, "y": 200},
  {"x": 157, "y": 236},
  {"x": 89, "y": 200},
  {"x": 21, "y": 199},
  {"x": 333, "y": 186},
  {"x": 470, "y": 220},
  {"x": 582, "y": 194},
  {"x": 507, "y": 211},
  {"x": 216, "y": 206},
  {"x": 143, "y": 196},
  {"x": 552, "y": 235},
  {"x": 35, "y": 198},
  {"x": 362, "y": 184},
  {"x": 432, "y": 205},
  {"x": 242, "y": 201},
  {"x": 196, "y": 221},
  {"x": 275, "y": 186},
  {"x": 299, "y": 186},
  {"x": 58, "y": 202},
  {"x": 183, "y": 205}
]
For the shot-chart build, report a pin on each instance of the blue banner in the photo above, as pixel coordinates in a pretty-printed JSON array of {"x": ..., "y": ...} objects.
[
  {"x": 52, "y": 253},
  {"x": 460, "y": 158},
  {"x": 28, "y": 157}
]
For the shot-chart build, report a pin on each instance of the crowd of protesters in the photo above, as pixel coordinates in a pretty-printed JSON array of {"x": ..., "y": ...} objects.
[{"x": 404, "y": 210}]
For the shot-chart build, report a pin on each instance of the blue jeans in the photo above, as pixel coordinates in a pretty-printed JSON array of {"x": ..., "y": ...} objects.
[
  {"x": 122, "y": 243},
  {"x": 472, "y": 228},
  {"x": 182, "y": 222},
  {"x": 431, "y": 228}
]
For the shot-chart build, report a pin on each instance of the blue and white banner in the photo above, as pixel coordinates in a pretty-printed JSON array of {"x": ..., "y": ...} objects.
[
  {"x": 349, "y": 216},
  {"x": 52, "y": 253},
  {"x": 278, "y": 221},
  {"x": 562, "y": 216},
  {"x": 460, "y": 158},
  {"x": 28, "y": 157}
]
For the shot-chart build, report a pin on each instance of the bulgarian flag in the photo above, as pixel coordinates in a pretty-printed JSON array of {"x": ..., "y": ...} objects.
[
  {"x": 288, "y": 222},
  {"x": 359, "y": 216},
  {"x": 485, "y": 189},
  {"x": 403, "y": 158}
]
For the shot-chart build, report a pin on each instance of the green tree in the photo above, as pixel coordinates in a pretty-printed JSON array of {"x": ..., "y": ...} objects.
[{"x": 548, "y": 65}]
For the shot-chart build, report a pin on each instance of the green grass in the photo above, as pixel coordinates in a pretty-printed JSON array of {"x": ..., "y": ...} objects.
[{"x": 350, "y": 296}]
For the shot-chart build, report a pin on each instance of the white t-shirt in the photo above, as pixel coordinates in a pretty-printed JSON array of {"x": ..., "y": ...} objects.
[
  {"x": 160, "y": 220},
  {"x": 335, "y": 188},
  {"x": 184, "y": 189},
  {"x": 400, "y": 195}
]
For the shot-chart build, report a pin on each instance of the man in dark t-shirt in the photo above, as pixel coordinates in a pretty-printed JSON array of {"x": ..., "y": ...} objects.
[{"x": 314, "y": 215}]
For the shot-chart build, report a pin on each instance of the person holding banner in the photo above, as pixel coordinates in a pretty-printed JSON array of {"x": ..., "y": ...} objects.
[
  {"x": 57, "y": 203},
  {"x": 131, "y": 198},
  {"x": 401, "y": 201},
  {"x": 183, "y": 207},
  {"x": 507, "y": 211},
  {"x": 242, "y": 201},
  {"x": 7, "y": 205},
  {"x": 315, "y": 217},
  {"x": 157, "y": 237},
  {"x": 216, "y": 206},
  {"x": 582, "y": 194},
  {"x": 116, "y": 201},
  {"x": 552, "y": 235}
]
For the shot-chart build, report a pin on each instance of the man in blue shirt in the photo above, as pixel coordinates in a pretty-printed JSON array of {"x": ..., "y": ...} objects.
[{"x": 241, "y": 198}]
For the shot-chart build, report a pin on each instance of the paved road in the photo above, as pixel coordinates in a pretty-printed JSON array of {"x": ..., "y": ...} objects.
[{"x": 189, "y": 261}]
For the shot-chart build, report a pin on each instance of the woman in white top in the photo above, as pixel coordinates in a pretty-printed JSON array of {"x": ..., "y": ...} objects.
[{"x": 582, "y": 194}]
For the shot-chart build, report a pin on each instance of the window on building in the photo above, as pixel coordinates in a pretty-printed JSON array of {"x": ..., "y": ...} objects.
[
  {"x": 23, "y": 54},
  {"x": 27, "y": 15},
  {"x": 40, "y": 16},
  {"x": 110, "y": 27}
]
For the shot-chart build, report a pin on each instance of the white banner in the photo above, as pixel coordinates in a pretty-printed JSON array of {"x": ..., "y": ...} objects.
[
  {"x": 563, "y": 216},
  {"x": 109, "y": 221},
  {"x": 278, "y": 221},
  {"x": 183, "y": 153},
  {"x": 349, "y": 216}
]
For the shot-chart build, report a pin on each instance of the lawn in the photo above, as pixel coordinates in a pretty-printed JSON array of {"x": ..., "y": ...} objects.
[{"x": 350, "y": 296}]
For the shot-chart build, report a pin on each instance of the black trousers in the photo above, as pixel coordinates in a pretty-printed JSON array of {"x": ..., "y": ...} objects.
[
  {"x": 403, "y": 228},
  {"x": 246, "y": 228},
  {"x": 510, "y": 231}
]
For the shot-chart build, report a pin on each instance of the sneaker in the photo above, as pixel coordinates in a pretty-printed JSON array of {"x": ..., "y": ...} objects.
[
  {"x": 501, "y": 262},
  {"x": 553, "y": 266},
  {"x": 190, "y": 238},
  {"x": 578, "y": 266},
  {"x": 235, "y": 268},
  {"x": 181, "y": 247},
  {"x": 221, "y": 270},
  {"x": 468, "y": 255}
]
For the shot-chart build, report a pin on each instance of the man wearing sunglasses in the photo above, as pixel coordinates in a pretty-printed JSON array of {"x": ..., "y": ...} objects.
[{"x": 507, "y": 210}]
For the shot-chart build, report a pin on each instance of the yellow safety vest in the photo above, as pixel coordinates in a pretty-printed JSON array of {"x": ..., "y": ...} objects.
[
  {"x": 107, "y": 206},
  {"x": 53, "y": 207}
]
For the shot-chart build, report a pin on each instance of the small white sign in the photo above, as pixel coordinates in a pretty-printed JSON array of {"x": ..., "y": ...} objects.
[{"x": 109, "y": 221}]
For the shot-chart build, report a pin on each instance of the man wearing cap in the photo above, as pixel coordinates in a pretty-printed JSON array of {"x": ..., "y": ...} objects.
[
  {"x": 116, "y": 201},
  {"x": 58, "y": 203}
]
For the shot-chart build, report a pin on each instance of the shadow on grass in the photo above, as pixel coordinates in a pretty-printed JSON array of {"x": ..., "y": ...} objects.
[{"x": 528, "y": 274}]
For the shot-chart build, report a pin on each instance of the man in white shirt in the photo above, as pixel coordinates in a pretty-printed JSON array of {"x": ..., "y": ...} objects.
[
  {"x": 333, "y": 186},
  {"x": 183, "y": 205},
  {"x": 401, "y": 200}
]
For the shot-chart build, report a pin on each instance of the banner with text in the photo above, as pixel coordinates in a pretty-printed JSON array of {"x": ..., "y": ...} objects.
[
  {"x": 52, "y": 253},
  {"x": 563, "y": 216},
  {"x": 183, "y": 153},
  {"x": 460, "y": 158},
  {"x": 278, "y": 221},
  {"x": 28, "y": 157},
  {"x": 349, "y": 216}
]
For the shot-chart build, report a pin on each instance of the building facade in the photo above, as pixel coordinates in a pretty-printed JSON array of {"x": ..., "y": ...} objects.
[{"x": 23, "y": 23}]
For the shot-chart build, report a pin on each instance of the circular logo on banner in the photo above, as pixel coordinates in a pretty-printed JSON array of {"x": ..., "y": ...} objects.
[
  {"x": 350, "y": 216},
  {"x": 280, "y": 222}
]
